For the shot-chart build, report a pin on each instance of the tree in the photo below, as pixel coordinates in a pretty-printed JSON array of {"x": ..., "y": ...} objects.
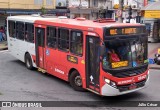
[{"x": 43, "y": 10}]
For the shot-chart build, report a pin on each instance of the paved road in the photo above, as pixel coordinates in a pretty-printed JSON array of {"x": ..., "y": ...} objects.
[
  {"x": 20, "y": 84},
  {"x": 152, "y": 49}
]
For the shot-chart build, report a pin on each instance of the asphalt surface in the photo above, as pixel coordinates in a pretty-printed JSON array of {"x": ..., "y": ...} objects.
[{"x": 20, "y": 84}]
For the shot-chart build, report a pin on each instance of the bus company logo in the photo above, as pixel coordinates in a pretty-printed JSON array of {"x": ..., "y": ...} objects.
[
  {"x": 6, "y": 104},
  {"x": 142, "y": 77},
  {"x": 59, "y": 71},
  {"x": 125, "y": 82}
]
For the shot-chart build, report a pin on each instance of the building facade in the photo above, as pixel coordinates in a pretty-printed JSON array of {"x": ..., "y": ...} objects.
[
  {"x": 152, "y": 20},
  {"x": 62, "y": 8},
  {"x": 14, "y": 7},
  {"x": 129, "y": 14},
  {"x": 27, "y": 4},
  {"x": 90, "y": 9}
]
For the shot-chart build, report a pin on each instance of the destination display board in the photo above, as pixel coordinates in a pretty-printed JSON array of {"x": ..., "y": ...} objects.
[{"x": 125, "y": 31}]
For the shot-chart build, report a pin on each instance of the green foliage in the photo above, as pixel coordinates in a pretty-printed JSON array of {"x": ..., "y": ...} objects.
[{"x": 43, "y": 10}]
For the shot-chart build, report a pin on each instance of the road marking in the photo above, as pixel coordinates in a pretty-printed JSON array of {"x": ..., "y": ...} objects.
[{"x": 2, "y": 51}]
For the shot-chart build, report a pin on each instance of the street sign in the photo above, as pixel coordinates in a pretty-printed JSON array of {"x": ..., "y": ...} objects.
[{"x": 119, "y": 13}]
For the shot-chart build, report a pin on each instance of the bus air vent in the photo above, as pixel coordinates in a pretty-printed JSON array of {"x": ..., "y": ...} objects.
[
  {"x": 48, "y": 16},
  {"x": 62, "y": 17},
  {"x": 104, "y": 20},
  {"x": 35, "y": 15},
  {"x": 81, "y": 19}
]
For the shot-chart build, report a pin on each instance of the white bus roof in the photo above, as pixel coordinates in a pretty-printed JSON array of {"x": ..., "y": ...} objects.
[{"x": 28, "y": 18}]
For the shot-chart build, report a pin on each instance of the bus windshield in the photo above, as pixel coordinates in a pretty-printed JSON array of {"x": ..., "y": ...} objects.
[{"x": 125, "y": 53}]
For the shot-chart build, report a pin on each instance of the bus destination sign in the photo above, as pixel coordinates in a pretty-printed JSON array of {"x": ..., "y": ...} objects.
[{"x": 125, "y": 31}]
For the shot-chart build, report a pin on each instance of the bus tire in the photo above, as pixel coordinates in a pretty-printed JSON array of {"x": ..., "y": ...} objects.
[
  {"x": 28, "y": 61},
  {"x": 76, "y": 81}
]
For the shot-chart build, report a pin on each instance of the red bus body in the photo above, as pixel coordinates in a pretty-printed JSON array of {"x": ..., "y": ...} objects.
[{"x": 55, "y": 61}]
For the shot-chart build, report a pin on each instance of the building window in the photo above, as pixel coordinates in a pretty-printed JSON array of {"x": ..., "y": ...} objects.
[
  {"x": 20, "y": 30},
  {"x": 51, "y": 37},
  {"x": 49, "y": 2},
  {"x": 38, "y": 2},
  {"x": 63, "y": 39},
  {"x": 29, "y": 32},
  {"x": 76, "y": 44},
  {"x": 12, "y": 29}
]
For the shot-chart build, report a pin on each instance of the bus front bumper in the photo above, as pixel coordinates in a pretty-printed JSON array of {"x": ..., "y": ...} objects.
[{"x": 108, "y": 90}]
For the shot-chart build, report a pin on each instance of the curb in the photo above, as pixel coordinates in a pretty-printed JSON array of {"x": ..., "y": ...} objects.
[
  {"x": 153, "y": 51},
  {"x": 5, "y": 48},
  {"x": 3, "y": 45},
  {"x": 154, "y": 66}
]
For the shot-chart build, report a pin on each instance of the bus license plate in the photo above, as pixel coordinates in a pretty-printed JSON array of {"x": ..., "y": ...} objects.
[
  {"x": 132, "y": 87},
  {"x": 120, "y": 64}
]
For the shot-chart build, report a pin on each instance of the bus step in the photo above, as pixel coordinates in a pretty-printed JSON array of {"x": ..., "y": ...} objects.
[
  {"x": 41, "y": 70},
  {"x": 93, "y": 91}
]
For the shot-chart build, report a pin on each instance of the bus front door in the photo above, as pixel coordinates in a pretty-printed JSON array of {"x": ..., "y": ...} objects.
[
  {"x": 93, "y": 63},
  {"x": 40, "y": 47}
]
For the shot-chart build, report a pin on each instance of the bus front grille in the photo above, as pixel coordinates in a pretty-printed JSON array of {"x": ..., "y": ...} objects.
[
  {"x": 127, "y": 87},
  {"x": 129, "y": 73}
]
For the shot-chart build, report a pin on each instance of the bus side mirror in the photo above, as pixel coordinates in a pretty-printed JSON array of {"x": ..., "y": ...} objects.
[{"x": 102, "y": 50}]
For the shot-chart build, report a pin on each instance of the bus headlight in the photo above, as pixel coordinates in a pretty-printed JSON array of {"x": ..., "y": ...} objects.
[
  {"x": 107, "y": 81},
  {"x": 111, "y": 83}
]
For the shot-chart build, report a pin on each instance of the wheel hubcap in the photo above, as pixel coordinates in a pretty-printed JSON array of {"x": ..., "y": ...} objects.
[{"x": 78, "y": 81}]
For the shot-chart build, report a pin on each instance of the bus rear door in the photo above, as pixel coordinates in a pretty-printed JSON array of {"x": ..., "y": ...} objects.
[{"x": 40, "y": 46}]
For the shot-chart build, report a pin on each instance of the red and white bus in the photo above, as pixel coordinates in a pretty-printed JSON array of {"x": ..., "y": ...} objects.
[{"x": 102, "y": 56}]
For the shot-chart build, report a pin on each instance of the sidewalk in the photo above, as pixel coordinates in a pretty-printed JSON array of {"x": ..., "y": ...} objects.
[
  {"x": 3, "y": 45},
  {"x": 152, "y": 49}
]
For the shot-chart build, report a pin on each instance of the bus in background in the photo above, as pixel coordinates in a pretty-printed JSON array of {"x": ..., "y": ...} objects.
[{"x": 102, "y": 56}]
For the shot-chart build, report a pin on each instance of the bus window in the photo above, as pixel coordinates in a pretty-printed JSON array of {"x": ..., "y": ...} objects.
[
  {"x": 12, "y": 28},
  {"x": 20, "y": 30},
  {"x": 29, "y": 32},
  {"x": 76, "y": 42},
  {"x": 51, "y": 37},
  {"x": 63, "y": 39},
  {"x": 125, "y": 53}
]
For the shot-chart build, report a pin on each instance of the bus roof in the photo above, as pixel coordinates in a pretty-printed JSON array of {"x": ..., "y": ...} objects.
[
  {"x": 28, "y": 18},
  {"x": 67, "y": 22},
  {"x": 83, "y": 23}
]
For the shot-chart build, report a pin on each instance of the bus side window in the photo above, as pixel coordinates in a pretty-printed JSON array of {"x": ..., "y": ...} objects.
[
  {"x": 63, "y": 39},
  {"x": 76, "y": 43},
  {"x": 20, "y": 30},
  {"x": 12, "y": 28},
  {"x": 51, "y": 37},
  {"x": 29, "y": 32}
]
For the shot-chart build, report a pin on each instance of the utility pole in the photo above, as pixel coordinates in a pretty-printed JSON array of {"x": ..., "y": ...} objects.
[
  {"x": 121, "y": 2},
  {"x": 89, "y": 3},
  {"x": 80, "y": 3},
  {"x": 130, "y": 14}
]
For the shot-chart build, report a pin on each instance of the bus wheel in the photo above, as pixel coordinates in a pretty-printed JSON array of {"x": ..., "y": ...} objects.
[
  {"x": 28, "y": 62},
  {"x": 76, "y": 81}
]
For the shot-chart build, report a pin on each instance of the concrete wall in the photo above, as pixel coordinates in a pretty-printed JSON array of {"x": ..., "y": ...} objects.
[{"x": 26, "y": 4}]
